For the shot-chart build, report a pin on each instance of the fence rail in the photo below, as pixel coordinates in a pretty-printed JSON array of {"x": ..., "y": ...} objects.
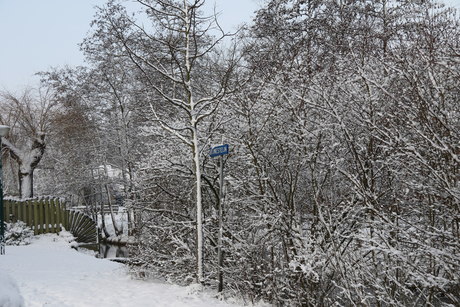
[{"x": 48, "y": 215}]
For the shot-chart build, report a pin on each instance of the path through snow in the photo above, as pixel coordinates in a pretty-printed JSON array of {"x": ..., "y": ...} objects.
[{"x": 50, "y": 273}]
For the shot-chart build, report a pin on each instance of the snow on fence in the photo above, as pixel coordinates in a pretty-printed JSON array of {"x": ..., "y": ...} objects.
[{"x": 47, "y": 215}]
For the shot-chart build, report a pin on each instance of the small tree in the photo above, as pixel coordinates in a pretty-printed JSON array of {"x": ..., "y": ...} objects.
[{"x": 184, "y": 87}]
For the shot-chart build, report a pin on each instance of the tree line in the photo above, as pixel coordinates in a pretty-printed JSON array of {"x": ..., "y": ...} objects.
[{"x": 342, "y": 119}]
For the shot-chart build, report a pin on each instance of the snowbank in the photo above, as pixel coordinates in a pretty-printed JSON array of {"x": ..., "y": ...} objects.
[
  {"x": 10, "y": 295},
  {"x": 50, "y": 273}
]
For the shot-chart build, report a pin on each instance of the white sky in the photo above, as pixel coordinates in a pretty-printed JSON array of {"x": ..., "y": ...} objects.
[{"x": 38, "y": 34}]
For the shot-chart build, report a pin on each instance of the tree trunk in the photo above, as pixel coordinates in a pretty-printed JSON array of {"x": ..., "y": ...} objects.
[
  {"x": 26, "y": 184},
  {"x": 27, "y": 161},
  {"x": 104, "y": 229},
  {"x": 118, "y": 232},
  {"x": 199, "y": 214}
]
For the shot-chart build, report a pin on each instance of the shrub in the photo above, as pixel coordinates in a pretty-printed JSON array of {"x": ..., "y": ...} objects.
[{"x": 18, "y": 233}]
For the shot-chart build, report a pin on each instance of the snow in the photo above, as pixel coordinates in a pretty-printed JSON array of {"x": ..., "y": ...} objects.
[
  {"x": 10, "y": 295},
  {"x": 49, "y": 272}
]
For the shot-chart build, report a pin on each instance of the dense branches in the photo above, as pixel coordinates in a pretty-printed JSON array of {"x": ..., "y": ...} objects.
[
  {"x": 342, "y": 119},
  {"x": 349, "y": 155}
]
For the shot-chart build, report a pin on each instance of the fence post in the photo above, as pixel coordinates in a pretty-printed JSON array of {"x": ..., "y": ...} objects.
[
  {"x": 30, "y": 216},
  {"x": 67, "y": 218},
  {"x": 25, "y": 208},
  {"x": 57, "y": 214},
  {"x": 6, "y": 208},
  {"x": 52, "y": 215},
  {"x": 62, "y": 212},
  {"x": 25, "y": 213},
  {"x": 9, "y": 211},
  {"x": 47, "y": 215},
  {"x": 41, "y": 207},
  {"x": 15, "y": 212},
  {"x": 36, "y": 211}
]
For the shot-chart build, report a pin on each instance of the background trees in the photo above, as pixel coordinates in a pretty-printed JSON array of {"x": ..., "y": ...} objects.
[{"x": 30, "y": 115}]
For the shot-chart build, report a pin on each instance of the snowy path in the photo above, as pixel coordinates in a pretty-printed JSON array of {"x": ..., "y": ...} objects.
[{"x": 50, "y": 273}]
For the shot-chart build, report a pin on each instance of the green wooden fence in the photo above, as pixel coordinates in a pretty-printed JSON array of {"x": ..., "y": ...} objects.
[{"x": 48, "y": 215}]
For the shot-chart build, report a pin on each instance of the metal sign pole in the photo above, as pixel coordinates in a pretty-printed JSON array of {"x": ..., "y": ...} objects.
[
  {"x": 220, "y": 151},
  {"x": 219, "y": 249}
]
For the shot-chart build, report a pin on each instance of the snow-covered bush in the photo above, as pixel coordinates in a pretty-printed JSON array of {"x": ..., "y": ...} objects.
[
  {"x": 18, "y": 233},
  {"x": 66, "y": 235}
]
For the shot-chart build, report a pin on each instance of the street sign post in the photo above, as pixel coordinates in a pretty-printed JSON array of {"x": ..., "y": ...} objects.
[{"x": 220, "y": 151}]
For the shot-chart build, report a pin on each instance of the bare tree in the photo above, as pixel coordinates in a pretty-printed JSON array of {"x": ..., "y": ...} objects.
[
  {"x": 30, "y": 115},
  {"x": 175, "y": 58}
]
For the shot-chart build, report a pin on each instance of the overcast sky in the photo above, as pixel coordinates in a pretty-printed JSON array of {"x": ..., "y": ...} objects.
[{"x": 38, "y": 34}]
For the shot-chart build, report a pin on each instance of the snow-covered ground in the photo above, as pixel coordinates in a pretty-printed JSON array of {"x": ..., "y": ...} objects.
[{"x": 50, "y": 273}]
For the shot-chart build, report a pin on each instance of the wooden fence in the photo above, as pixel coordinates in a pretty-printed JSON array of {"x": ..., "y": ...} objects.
[{"x": 48, "y": 215}]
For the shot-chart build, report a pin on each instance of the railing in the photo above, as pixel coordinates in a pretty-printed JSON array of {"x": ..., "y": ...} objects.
[{"x": 48, "y": 215}]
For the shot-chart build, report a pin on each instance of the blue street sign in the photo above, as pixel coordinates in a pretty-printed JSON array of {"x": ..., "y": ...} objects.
[{"x": 219, "y": 150}]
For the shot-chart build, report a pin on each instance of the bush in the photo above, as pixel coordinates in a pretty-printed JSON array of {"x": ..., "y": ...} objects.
[{"x": 18, "y": 233}]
